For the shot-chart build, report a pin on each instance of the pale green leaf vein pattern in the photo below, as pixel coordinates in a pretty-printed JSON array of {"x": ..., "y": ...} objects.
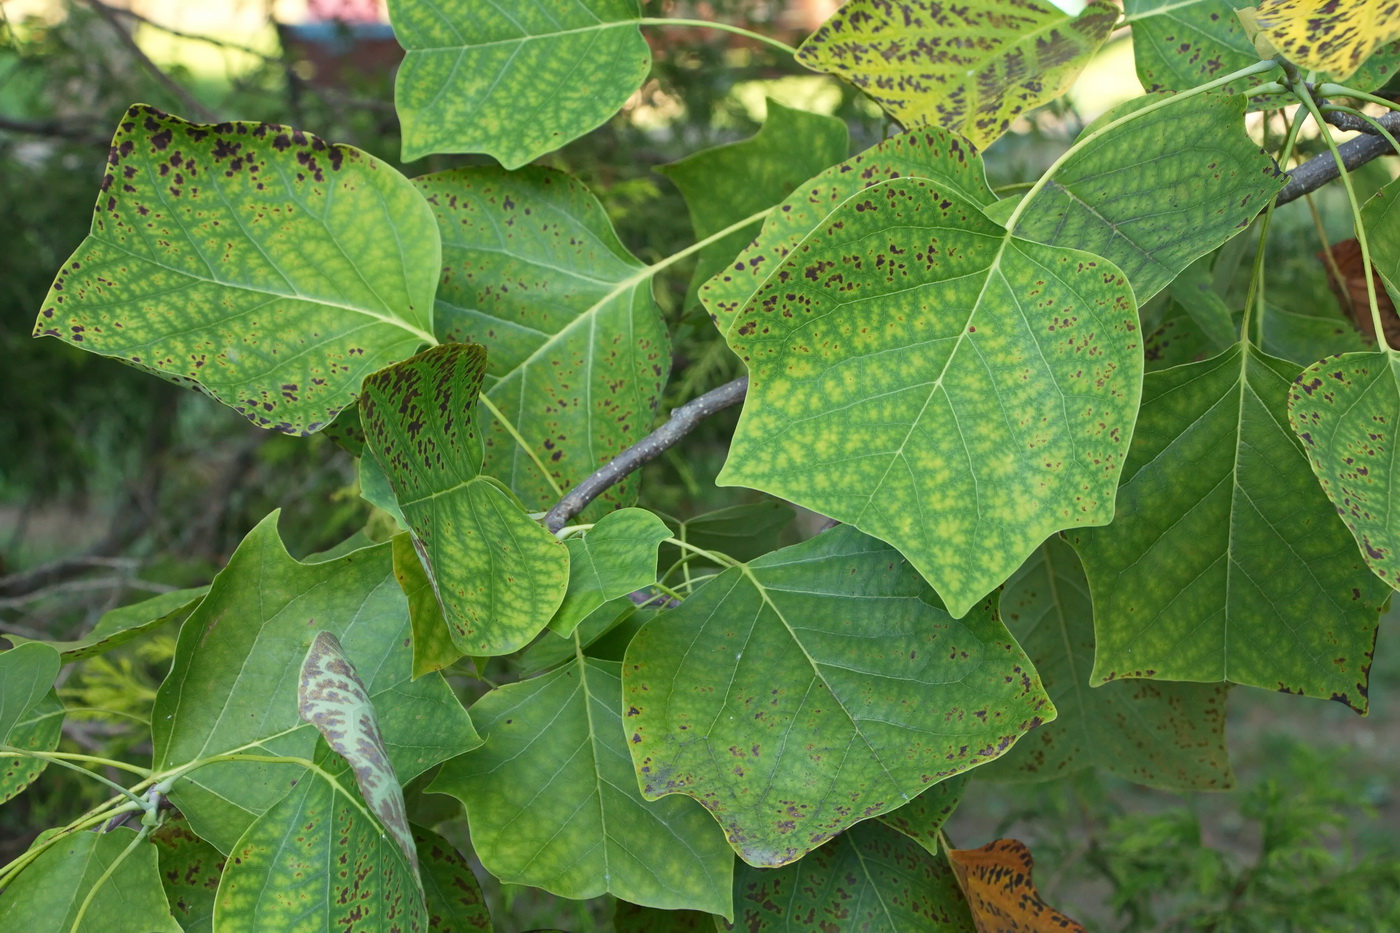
[
  {"x": 512, "y": 78},
  {"x": 816, "y": 687},
  {"x": 577, "y": 350},
  {"x": 252, "y": 262},
  {"x": 1226, "y": 561},
  {"x": 919, "y": 373},
  {"x": 553, "y": 802}
]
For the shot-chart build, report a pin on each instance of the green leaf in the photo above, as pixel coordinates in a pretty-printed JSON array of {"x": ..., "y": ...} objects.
[
  {"x": 1226, "y": 563},
  {"x": 578, "y": 352},
  {"x": 119, "y": 626},
  {"x": 512, "y": 78},
  {"x": 723, "y": 185},
  {"x": 36, "y": 731},
  {"x": 376, "y": 489},
  {"x": 1344, "y": 409},
  {"x": 742, "y": 532},
  {"x": 455, "y": 902},
  {"x": 1167, "y": 735},
  {"x": 553, "y": 802},
  {"x": 922, "y": 818},
  {"x": 971, "y": 67},
  {"x": 190, "y": 869},
  {"x": 1194, "y": 290},
  {"x": 1150, "y": 211},
  {"x": 929, "y": 153},
  {"x": 253, "y": 262},
  {"x": 1300, "y": 331},
  {"x": 613, "y": 558},
  {"x": 433, "y": 648},
  {"x": 1381, "y": 220},
  {"x": 869, "y": 878},
  {"x": 921, "y": 374},
  {"x": 27, "y": 674},
  {"x": 232, "y": 685},
  {"x": 498, "y": 574},
  {"x": 47, "y": 895},
  {"x": 317, "y": 860},
  {"x": 816, "y": 687},
  {"x": 331, "y": 696}
]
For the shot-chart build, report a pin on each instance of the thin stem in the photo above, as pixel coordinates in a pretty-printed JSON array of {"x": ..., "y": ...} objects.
[
  {"x": 737, "y": 30},
  {"x": 1361, "y": 238},
  {"x": 669, "y": 592},
  {"x": 1337, "y": 90},
  {"x": 181, "y": 93},
  {"x": 1082, "y": 142},
  {"x": 529, "y": 451},
  {"x": 60, "y": 759},
  {"x": 22, "y": 861},
  {"x": 74, "y": 756},
  {"x": 106, "y": 874},
  {"x": 695, "y": 247},
  {"x": 724, "y": 560},
  {"x": 1256, "y": 279}
]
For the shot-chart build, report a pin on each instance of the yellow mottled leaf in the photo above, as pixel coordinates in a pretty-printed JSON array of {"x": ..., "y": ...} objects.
[{"x": 1329, "y": 35}]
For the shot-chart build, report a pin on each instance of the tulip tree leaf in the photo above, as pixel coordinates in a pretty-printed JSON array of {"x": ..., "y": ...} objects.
[
  {"x": 922, "y": 818},
  {"x": 613, "y": 558},
  {"x": 1153, "y": 219},
  {"x": 433, "y": 648},
  {"x": 816, "y": 687},
  {"x": 46, "y": 896},
  {"x": 1167, "y": 735},
  {"x": 252, "y": 262},
  {"x": 331, "y": 696},
  {"x": 190, "y": 869},
  {"x": 742, "y": 532},
  {"x": 498, "y": 574},
  {"x": 1000, "y": 892},
  {"x": 455, "y": 902},
  {"x": 1226, "y": 562},
  {"x": 1331, "y": 37},
  {"x": 318, "y": 860},
  {"x": 917, "y": 372},
  {"x": 868, "y": 878},
  {"x": 725, "y": 184},
  {"x": 1344, "y": 408},
  {"x": 27, "y": 674},
  {"x": 38, "y": 730},
  {"x": 971, "y": 67},
  {"x": 577, "y": 350},
  {"x": 931, "y": 152},
  {"x": 119, "y": 626},
  {"x": 233, "y": 682},
  {"x": 553, "y": 802},
  {"x": 513, "y": 78}
]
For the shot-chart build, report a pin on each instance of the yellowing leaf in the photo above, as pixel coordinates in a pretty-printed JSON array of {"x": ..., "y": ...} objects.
[
  {"x": 997, "y": 881},
  {"x": 1328, "y": 35}
]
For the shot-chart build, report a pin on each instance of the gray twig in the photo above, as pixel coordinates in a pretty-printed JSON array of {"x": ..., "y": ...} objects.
[
  {"x": 1320, "y": 170},
  {"x": 182, "y": 94},
  {"x": 682, "y": 421}
]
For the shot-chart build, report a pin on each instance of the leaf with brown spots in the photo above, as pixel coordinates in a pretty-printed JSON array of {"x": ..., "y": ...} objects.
[
  {"x": 119, "y": 626},
  {"x": 553, "y": 801},
  {"x": 922, "y": 818},
  {"x": 816, "y": 687},
  {"x": 455, "y": 902},
  {"x": 577, "y": 350},
  {"x": 1329, "y": 35},
  {"x": 190, "y": 869},
  {"x": 252, "y": 262},
  {"x": 331, "y": 696},
  {"x": 319, "y": 860},
  {"x": 1225, "y": 561},
  {"x": 918, "y": 372},
  {"x": 972, "y": 67},
  {"x": 869, "y": 878},
  {"x": 1167, "y": 735},
  {"x": 512, "y": 78},
  {"x": 36, "y": 731},
  {"x": 997, "y": 881},
  {"x": 498, "y": 574}
]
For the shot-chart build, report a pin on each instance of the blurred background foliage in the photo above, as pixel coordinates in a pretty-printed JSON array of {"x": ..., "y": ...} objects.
[{"x": 115, "y": 485}]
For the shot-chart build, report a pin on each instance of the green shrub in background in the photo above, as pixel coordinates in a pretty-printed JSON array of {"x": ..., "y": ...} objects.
[{"x": 1072, "y": 433}]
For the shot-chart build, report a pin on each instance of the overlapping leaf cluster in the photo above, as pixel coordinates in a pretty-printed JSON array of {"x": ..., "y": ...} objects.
[{"x": 1054, "y": 551}]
